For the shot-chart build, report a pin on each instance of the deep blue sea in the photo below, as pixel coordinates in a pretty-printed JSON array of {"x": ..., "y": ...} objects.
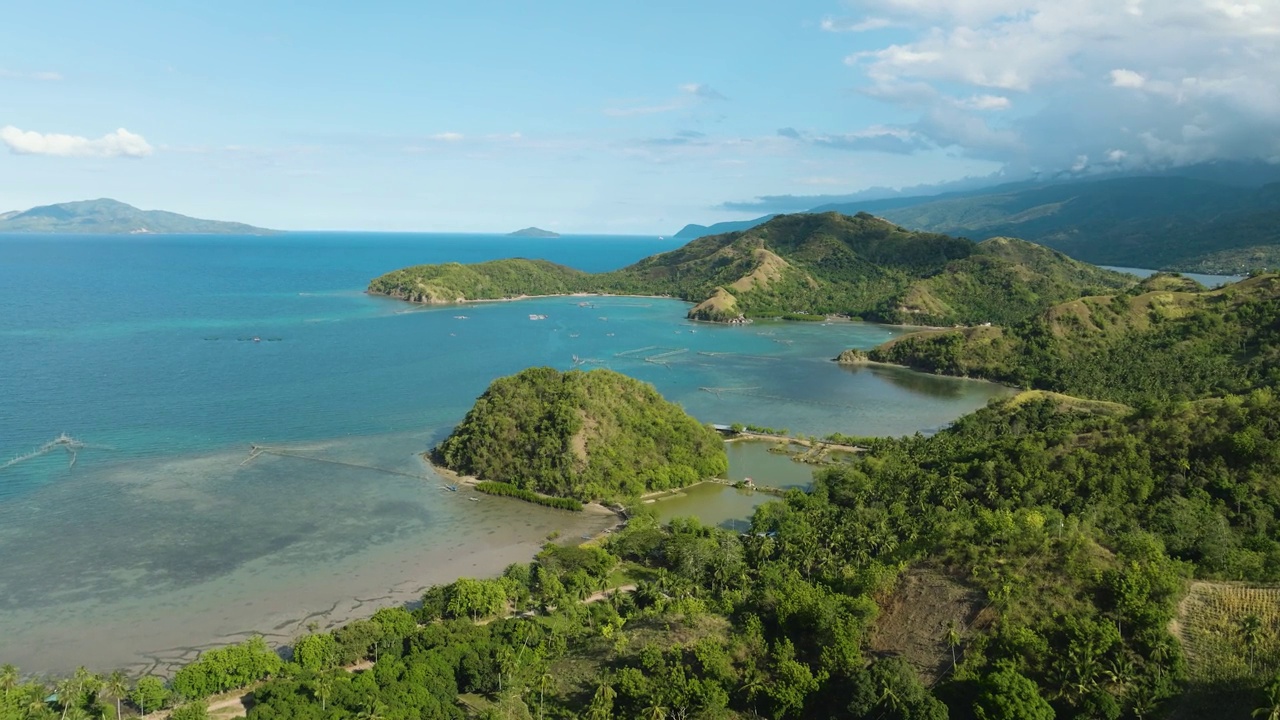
[{"x": 160, "y": 534}]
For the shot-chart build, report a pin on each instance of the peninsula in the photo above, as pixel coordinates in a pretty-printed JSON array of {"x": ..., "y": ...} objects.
[
  {"x": 112, "y": 217},
  {"x": 595, "y": 435},
  {"x": 534, "y": 232},
  {"x": 800, "y": 267},
  {"x": 1168, "y": 338}
]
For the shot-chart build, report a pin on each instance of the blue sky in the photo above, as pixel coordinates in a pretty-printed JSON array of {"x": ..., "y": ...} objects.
[{"x": 617, "y": 117}]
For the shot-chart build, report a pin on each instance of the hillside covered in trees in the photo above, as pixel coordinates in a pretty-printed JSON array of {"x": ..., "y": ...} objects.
[
  {"x": 595, "y": 435},
  {"x": 1026, "y": 562},
  {"x": 1165, "y": 339},
  {"x": 859, "y": 266}
]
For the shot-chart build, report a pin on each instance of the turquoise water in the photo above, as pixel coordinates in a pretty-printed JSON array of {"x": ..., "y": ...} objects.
[
  {"x": 164, "y": 536},
  {"x": 1209, "y": 281}
]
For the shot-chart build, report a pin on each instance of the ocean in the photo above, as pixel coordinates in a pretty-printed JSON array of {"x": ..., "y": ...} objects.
[{"x": 151, "y": 531}]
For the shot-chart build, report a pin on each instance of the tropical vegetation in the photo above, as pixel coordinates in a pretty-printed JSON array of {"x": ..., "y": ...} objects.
[
  {"x": 593, "y": 435},
  {"x": 801, "y": 267}
]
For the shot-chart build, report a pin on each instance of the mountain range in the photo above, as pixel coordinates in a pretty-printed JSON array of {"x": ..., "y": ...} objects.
[
  {"x": 107, "y": 217},
  {"x": 1211, "y": 218}
]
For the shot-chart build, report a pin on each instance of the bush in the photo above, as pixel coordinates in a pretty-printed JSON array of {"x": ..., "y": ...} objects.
[{"x": 502, "y": 489}]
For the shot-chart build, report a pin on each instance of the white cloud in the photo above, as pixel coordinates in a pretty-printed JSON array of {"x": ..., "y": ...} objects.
[
  {"x": 46, "y": 75},
  {"x": 448, "y": 137},
  {"x": 871, "y": 23},
  {"x": 1127, "y": 79},
  {"x": 985, "y": 102},
  {"x": 120, "y": 143},
  {"x": 1161, "y": 81}
]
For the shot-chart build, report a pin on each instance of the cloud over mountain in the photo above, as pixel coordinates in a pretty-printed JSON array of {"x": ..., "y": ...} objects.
[{"x": 1055, "y": 84}]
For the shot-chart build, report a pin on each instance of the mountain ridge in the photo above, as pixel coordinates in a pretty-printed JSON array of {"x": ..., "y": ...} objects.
[
  {"x": 802, "y": 266},
  {"x": 112, "y": 217},
  {"x": 1213, "y": 218}
]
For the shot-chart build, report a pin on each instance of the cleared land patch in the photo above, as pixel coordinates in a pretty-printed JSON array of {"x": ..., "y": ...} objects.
[{"x": 1225, "y": 628}]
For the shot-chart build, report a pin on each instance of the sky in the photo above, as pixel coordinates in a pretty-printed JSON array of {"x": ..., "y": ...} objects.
[{"x": 609, "y": 117}]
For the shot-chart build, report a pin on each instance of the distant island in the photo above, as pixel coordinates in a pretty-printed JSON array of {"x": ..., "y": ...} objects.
[
  {"x": 800, "y": 267},
  {"x": 595, "y": 435},
  {"x": 534, "y": 232},
  {"x": 112, "y": 217}
]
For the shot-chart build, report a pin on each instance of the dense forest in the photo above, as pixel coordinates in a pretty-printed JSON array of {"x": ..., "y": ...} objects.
[
  {"x": 595, "y": 435},
  {"x": 1166, "y": 339},
  {"x": 802, "y": 265},
  {"x": 1025, "y": 563}
]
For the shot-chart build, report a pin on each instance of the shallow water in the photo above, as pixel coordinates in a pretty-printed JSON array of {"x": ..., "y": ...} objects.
[{"x": 160, "y": 538}]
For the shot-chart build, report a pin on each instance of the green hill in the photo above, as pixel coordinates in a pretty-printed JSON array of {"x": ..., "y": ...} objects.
[
  {"x": 1169, "y": 338},
  {"x": 814, "y": 264},
  {"x": 107, "y": 217},
  {"x": 492, "y": 280},
  {"x": 585, "y": 435}
]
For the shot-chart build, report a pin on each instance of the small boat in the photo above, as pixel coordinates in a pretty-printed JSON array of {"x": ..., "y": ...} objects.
[
  {"x": 257, "y": 339},
  {"x": 459, "y": 317},
  {"x": 451, "y": 488},
  {"x": 474, "y": 499},
  {"x": 537, "y": 317}
]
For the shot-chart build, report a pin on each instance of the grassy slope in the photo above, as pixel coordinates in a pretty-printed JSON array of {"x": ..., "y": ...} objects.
[
  {"x": 819, "y": 264},
  {"x": 587, "y": 435},
  {"x": 1168, "y": 339}
]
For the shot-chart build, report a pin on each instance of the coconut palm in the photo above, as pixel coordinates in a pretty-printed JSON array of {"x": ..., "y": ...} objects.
[
  {"x": 322, "y": 686},
  {"x": 8, "y": 679},
  {"x": 953, "y": 640},
  {"x": 117, "y": 685},
  {"x": 1251, "y": 634}
]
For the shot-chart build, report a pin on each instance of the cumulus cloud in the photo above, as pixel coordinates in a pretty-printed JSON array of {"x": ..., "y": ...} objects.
[
  {"x": 1154, "y": 82},
  {"x": 448, "y": 137},
  {"x": 1127, "y": 79},
  {"x": 120, "y": 143}
]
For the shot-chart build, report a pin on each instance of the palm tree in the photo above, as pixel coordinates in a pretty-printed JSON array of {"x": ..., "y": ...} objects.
[
  {"x": 8, "y": 679},
  {"x": 323, "y": 688},
  {"x": 655, "y": 711},
  {"x": 953, "y": 641},
  {"x": 117, "y": 685},
  {"x": 1251, "y": 633},
  {"x": 373, "y": 709},
  {"x": 602, "y": 703},
  {"x": 68, "y": 692},
  {"x": 542, "y": 691}
]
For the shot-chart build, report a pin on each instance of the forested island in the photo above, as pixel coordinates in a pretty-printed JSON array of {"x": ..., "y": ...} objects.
[
  {"x": 593, "y": 435},
  {"x": 800, "y": 266}
]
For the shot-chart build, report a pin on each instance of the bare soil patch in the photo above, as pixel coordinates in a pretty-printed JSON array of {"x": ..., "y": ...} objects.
[{"x": 914, "y": 621}]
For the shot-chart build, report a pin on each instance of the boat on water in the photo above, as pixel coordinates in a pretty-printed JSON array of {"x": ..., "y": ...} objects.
[
  {"x": 459, "y": 317},
  {"x": 537, "y": 317}
]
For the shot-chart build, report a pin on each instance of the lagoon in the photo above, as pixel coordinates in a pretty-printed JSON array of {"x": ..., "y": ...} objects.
[{"x": 163, "y": 537}]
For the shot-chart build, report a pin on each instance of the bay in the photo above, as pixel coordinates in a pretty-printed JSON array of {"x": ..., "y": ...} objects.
[{"x": 160, "y": 536}]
